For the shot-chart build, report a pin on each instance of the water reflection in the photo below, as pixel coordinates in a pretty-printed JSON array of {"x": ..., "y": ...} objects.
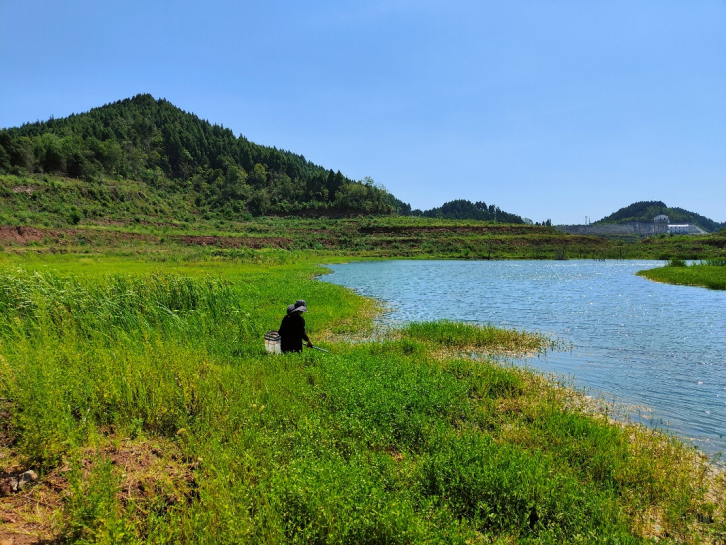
[{"x": 658, "y": 347}]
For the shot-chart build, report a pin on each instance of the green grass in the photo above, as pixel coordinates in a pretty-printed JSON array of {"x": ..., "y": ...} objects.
[
  {"x": 461, "y": 336},
  {"x": 51, "y": 214},
  {"x": 401, "y": 440},
  {"x": 710, "y": 274}
]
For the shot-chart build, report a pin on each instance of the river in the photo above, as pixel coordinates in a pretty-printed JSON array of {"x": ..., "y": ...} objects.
[{"x": 657, "y": 350}]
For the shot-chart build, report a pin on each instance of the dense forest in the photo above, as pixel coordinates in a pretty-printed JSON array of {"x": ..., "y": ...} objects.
[
  {"x": 645, "y": 211},
  {"x": 174, "y": 152},
  {"x": 462, "y": 209},
  {"x": 180, "y": 157}
]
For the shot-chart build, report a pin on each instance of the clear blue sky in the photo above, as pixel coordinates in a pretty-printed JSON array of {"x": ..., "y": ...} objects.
[{"x": 549, "y": 108}]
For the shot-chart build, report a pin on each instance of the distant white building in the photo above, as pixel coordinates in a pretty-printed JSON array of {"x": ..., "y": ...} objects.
[
  {"x": 683, "y": 229},
  {"x": 660, "y": 224}
]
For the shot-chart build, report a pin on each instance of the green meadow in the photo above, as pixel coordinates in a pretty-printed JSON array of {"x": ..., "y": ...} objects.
[
  {"x": 710, "y": 273},
  {"x": 139, "y": 390}
]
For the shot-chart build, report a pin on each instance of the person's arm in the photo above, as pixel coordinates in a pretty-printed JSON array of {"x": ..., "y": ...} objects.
[
  {"x": 304, "y": 333},
  {"x": 283, "y": 326}
]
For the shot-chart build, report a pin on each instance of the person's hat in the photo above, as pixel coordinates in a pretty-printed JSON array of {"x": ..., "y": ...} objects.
[
  {"x": 300, "y": 309},
  {"x": 301, "y": 303},
  {"x": 290, "y": 309}
]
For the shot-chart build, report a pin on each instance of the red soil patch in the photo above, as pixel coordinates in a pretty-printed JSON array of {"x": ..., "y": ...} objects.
[
  {"x": 22, "y": 235},
  {"x": 25, "y": 235}
]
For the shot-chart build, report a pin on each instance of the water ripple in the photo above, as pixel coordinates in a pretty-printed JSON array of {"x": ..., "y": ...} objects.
[{"x": 661, "y": 348}]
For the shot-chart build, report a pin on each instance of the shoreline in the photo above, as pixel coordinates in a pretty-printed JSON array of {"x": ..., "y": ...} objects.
[{"x": 703, "y": 444}]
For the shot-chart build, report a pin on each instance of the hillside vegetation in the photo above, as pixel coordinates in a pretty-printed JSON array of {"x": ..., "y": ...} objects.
[
  {"x": 184, "y": 160},
  {"x": 52, "y": 214},
  {"x": 183, "y": 156},
  {"x": 645, "y": 211}
]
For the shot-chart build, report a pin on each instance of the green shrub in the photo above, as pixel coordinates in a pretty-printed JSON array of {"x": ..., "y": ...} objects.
[
  {"x": 93, "y": 511},
  {"x": 505, "y": 490}
]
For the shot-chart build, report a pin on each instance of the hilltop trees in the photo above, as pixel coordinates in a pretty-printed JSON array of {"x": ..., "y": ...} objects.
[
  {"x": 463, "y": 209},
  {"x": 152, "y": 141}
]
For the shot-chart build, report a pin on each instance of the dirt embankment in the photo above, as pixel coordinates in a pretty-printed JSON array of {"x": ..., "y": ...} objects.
[{"x": 23, "y": 236}]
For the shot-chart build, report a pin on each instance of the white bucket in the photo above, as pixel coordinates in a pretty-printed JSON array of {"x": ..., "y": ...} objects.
[{"x": 273, "y": 342}]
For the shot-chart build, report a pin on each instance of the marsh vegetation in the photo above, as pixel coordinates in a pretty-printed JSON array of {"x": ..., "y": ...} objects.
[
  {"x": 708, "y": 273},
  {"x": 141, "y": 393}
]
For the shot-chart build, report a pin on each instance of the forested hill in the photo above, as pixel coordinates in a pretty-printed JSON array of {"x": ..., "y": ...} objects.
[
  {"x": 174, "y": 152},
  {"x": 646, "y": 210},
  {"x": 462, "y": 209}
]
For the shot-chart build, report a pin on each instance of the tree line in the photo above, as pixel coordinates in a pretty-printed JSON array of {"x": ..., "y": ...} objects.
[{"x": 464, "y": 209}]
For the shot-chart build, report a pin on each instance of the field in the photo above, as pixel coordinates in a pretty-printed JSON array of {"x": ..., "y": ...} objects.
[
  {"x": 51, "y": 214},
  {"x": 137, "y": 387},
  {"x": 709, "y": 274}
]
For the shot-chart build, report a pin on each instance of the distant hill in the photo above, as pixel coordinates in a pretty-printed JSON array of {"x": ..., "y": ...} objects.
[
  {"x": 461, "y": 209},
  {"x": 645, "y": 211},
  {"x": 176, "y": 152}
]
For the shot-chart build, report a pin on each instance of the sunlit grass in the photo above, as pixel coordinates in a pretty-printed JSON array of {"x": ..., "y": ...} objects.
[
  {"x": 404, "y": 439},
  {"x": 462, "y": 336},
  {"x": 706, "y": 275}
]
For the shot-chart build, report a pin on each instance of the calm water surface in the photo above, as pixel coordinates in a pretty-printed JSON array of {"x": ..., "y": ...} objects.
[{"x": 658, "y": 349}]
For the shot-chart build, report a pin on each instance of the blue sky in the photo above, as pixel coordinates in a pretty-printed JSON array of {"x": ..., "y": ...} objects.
[{"x": 554, "y": 109}]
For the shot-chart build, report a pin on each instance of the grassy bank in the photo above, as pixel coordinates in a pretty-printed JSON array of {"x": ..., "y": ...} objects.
[
  {"x": 141, "y": 394},
  {"x": 51, "y": 214},
  {"x": 709, "y": 274}
]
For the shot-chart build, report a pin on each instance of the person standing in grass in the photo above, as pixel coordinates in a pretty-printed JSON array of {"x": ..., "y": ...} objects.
[{"x": 292, "y": 328}]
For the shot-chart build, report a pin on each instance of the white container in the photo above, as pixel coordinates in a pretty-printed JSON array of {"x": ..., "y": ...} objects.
[{"x": 273, "y": 342}]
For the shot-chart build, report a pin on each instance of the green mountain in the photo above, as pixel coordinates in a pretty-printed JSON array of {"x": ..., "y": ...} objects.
[
  {"x": 147, "y": 159},
  {"x": 645, "y": 211},
  {"x": 176, "y": 153}
]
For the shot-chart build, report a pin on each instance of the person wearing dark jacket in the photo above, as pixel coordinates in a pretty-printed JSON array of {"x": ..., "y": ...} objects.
[{"x": 292, "y": 330}]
